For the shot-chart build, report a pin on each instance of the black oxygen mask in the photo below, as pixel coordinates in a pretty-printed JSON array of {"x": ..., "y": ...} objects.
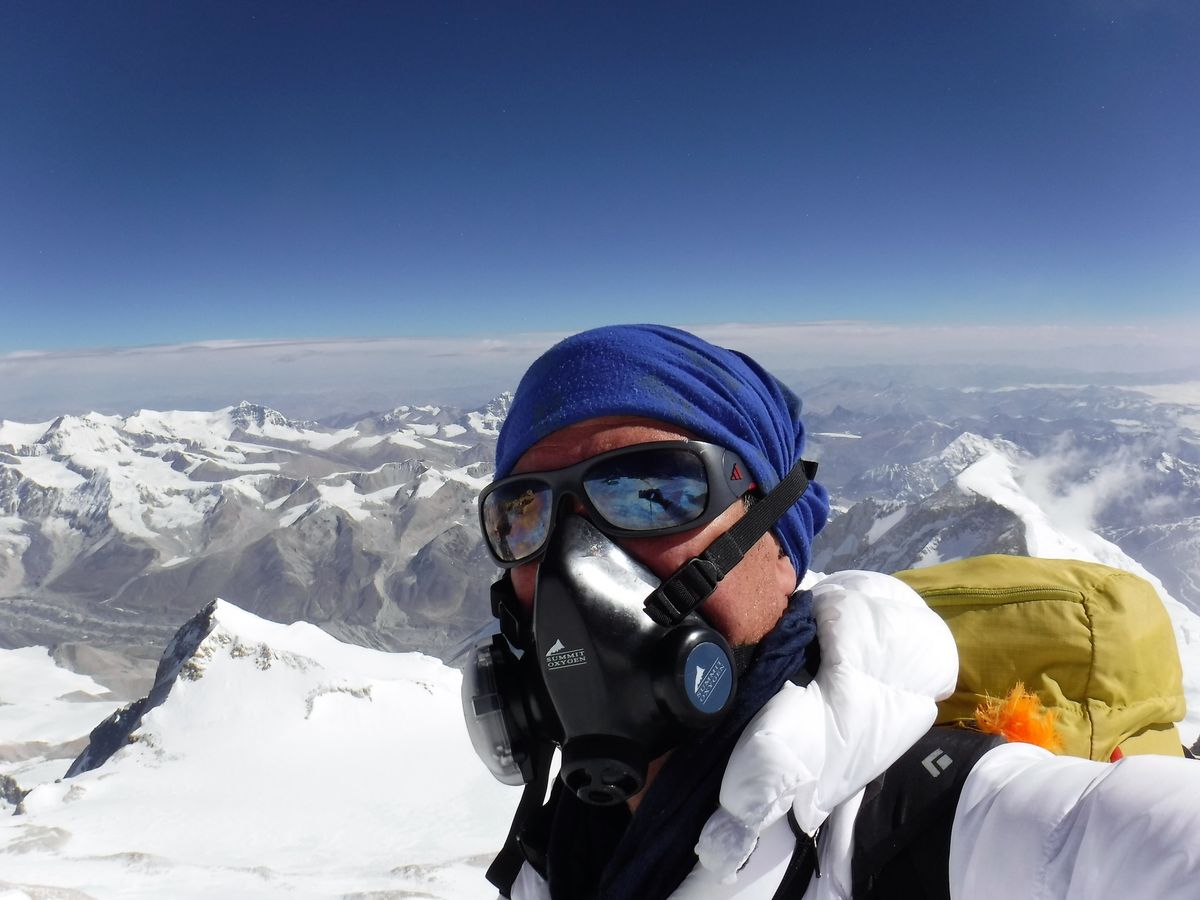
[
  {"x": 614, "y": 666},
  {"x": 624, "y": 689}
]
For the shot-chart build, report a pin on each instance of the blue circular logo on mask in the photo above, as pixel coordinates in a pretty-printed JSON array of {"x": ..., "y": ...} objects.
[{"x": 708, "y": 677}]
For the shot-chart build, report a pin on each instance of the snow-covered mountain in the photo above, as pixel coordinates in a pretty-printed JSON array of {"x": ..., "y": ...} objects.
[
  {"x": 931, "y": 518},
  {"x": 114, "y": 529},
  {"x": 985, "y": 508},
  {"x": 269, "y": 761},
  {"x": 902, "y": 483},
  {"x": 1120, "y": 460},
  {"x": 272, "y": 761}
]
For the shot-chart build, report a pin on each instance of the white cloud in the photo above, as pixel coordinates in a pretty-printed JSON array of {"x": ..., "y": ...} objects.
[
  {"x": 1110, "y": 348},
  {"x": 1082, "y": 491},
  {"x": 307, "y": 378}
]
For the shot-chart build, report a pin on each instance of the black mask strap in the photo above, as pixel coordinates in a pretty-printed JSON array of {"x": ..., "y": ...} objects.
[
  {"x": 695, "y": 581},
  {"x": 506, "y": 609}
]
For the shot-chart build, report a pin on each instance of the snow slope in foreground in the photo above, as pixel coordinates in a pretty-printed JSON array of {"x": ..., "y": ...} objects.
[
  {"x": 283, "y": 763},
  {"x": 46, "y": 713}
]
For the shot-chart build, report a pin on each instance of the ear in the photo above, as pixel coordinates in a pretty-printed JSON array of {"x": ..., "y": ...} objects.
[{"x": 785, "y": 572}]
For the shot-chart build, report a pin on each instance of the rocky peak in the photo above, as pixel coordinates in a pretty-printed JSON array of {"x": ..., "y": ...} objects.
[
  {"x": 489, "y": 417},
  {"x": 251, "y": 415},
  {"x": 116, "y": 731}
]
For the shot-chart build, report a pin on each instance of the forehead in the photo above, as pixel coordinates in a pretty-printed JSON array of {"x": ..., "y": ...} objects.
[{"x": 584, "y": 439}]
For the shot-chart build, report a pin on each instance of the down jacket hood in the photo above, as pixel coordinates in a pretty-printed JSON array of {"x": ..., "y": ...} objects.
[{"x": 886, "y": 659}]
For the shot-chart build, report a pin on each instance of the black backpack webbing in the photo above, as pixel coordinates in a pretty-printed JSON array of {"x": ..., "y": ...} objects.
[
  {"x": 902, "y": 831},
  {"x": 803, "y": 864},
  {"x": 507, "y": 864}
]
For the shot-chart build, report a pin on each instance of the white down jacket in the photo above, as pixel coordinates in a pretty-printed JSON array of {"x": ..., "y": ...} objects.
[{"x": 1028, "y": 825}]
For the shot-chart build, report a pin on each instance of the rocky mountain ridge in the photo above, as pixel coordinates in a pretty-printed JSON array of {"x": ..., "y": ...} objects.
[
  {"x": 1118, "y": 460},
  {"x": 113, "y": 529}
]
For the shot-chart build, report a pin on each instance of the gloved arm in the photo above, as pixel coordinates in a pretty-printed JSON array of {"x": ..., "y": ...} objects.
[{"x": 1031, "y": 824}]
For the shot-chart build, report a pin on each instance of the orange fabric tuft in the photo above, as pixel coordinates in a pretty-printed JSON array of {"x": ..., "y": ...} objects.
[{"x": 1020, "y": 717}]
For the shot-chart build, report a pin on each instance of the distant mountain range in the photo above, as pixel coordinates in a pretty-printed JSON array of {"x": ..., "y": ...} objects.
[
  {"x": 270, "y": 759},
  {"x": 1117, "y": 461},
  {"x": 115, "y": 529}
]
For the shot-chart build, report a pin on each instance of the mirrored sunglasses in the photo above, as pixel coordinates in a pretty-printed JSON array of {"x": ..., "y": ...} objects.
[{"x": 639, "y": 491}]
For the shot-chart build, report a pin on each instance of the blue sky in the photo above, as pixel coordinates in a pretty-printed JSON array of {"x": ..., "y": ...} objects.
[{"x": 176, "y": 172}]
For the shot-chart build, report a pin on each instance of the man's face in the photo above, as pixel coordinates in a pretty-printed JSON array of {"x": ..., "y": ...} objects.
[{"x": 751, "y": 598}]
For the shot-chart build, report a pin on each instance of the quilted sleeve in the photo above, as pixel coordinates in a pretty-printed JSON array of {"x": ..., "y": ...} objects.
[
  {"x": 885, "y": 659},
  {"x": 1031, "y": 824}
]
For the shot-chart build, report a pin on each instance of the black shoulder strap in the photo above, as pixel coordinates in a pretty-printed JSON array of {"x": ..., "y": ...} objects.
[
  {"x": 502, "y": 873},
  {"x": 802, "y": 866},
  {"x": 902, "y": 832}
]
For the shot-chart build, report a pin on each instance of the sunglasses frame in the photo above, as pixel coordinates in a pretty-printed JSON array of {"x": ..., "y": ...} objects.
[{"x": 720, "y": 465}]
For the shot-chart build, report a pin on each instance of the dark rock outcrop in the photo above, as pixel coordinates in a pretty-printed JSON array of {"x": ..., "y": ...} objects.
[{"x": 117, "y": 730}]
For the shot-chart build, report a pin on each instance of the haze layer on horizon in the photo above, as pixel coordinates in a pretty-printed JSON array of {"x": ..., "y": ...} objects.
[{"x": 320, "y": 378}]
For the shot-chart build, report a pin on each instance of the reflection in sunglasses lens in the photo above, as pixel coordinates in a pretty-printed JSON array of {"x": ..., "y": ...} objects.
[
  {"x": 649, "y": 490},
  {"x": 517, "y": 518}
]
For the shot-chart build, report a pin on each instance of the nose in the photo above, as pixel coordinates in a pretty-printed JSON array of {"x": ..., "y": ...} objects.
[
  {"x": 524, "y": 580},
  {"x": 569, "y": 503}
]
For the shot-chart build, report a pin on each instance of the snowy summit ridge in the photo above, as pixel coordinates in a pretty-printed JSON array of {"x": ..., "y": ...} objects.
[{"x": 271, "y": 760}]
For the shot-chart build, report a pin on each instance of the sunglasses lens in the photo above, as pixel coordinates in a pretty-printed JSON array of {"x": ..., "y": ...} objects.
[
  {"x": 516, "y": 517},
  {"x": 648, "y": 490}
]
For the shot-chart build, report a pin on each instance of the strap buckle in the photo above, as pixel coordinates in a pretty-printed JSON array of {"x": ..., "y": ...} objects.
[{"x": 673, "y": 600}]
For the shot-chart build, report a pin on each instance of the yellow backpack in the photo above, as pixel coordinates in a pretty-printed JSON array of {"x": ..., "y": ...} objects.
[{"x": 1092, "y": 642}]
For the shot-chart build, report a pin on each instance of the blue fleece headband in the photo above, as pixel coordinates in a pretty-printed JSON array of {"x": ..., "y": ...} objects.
[{"x": 663, "y": 373}]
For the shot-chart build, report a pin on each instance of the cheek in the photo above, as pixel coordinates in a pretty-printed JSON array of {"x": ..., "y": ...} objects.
[
  {"x": 748, "y": 603},
  {"x": 664, "y": 555}
]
